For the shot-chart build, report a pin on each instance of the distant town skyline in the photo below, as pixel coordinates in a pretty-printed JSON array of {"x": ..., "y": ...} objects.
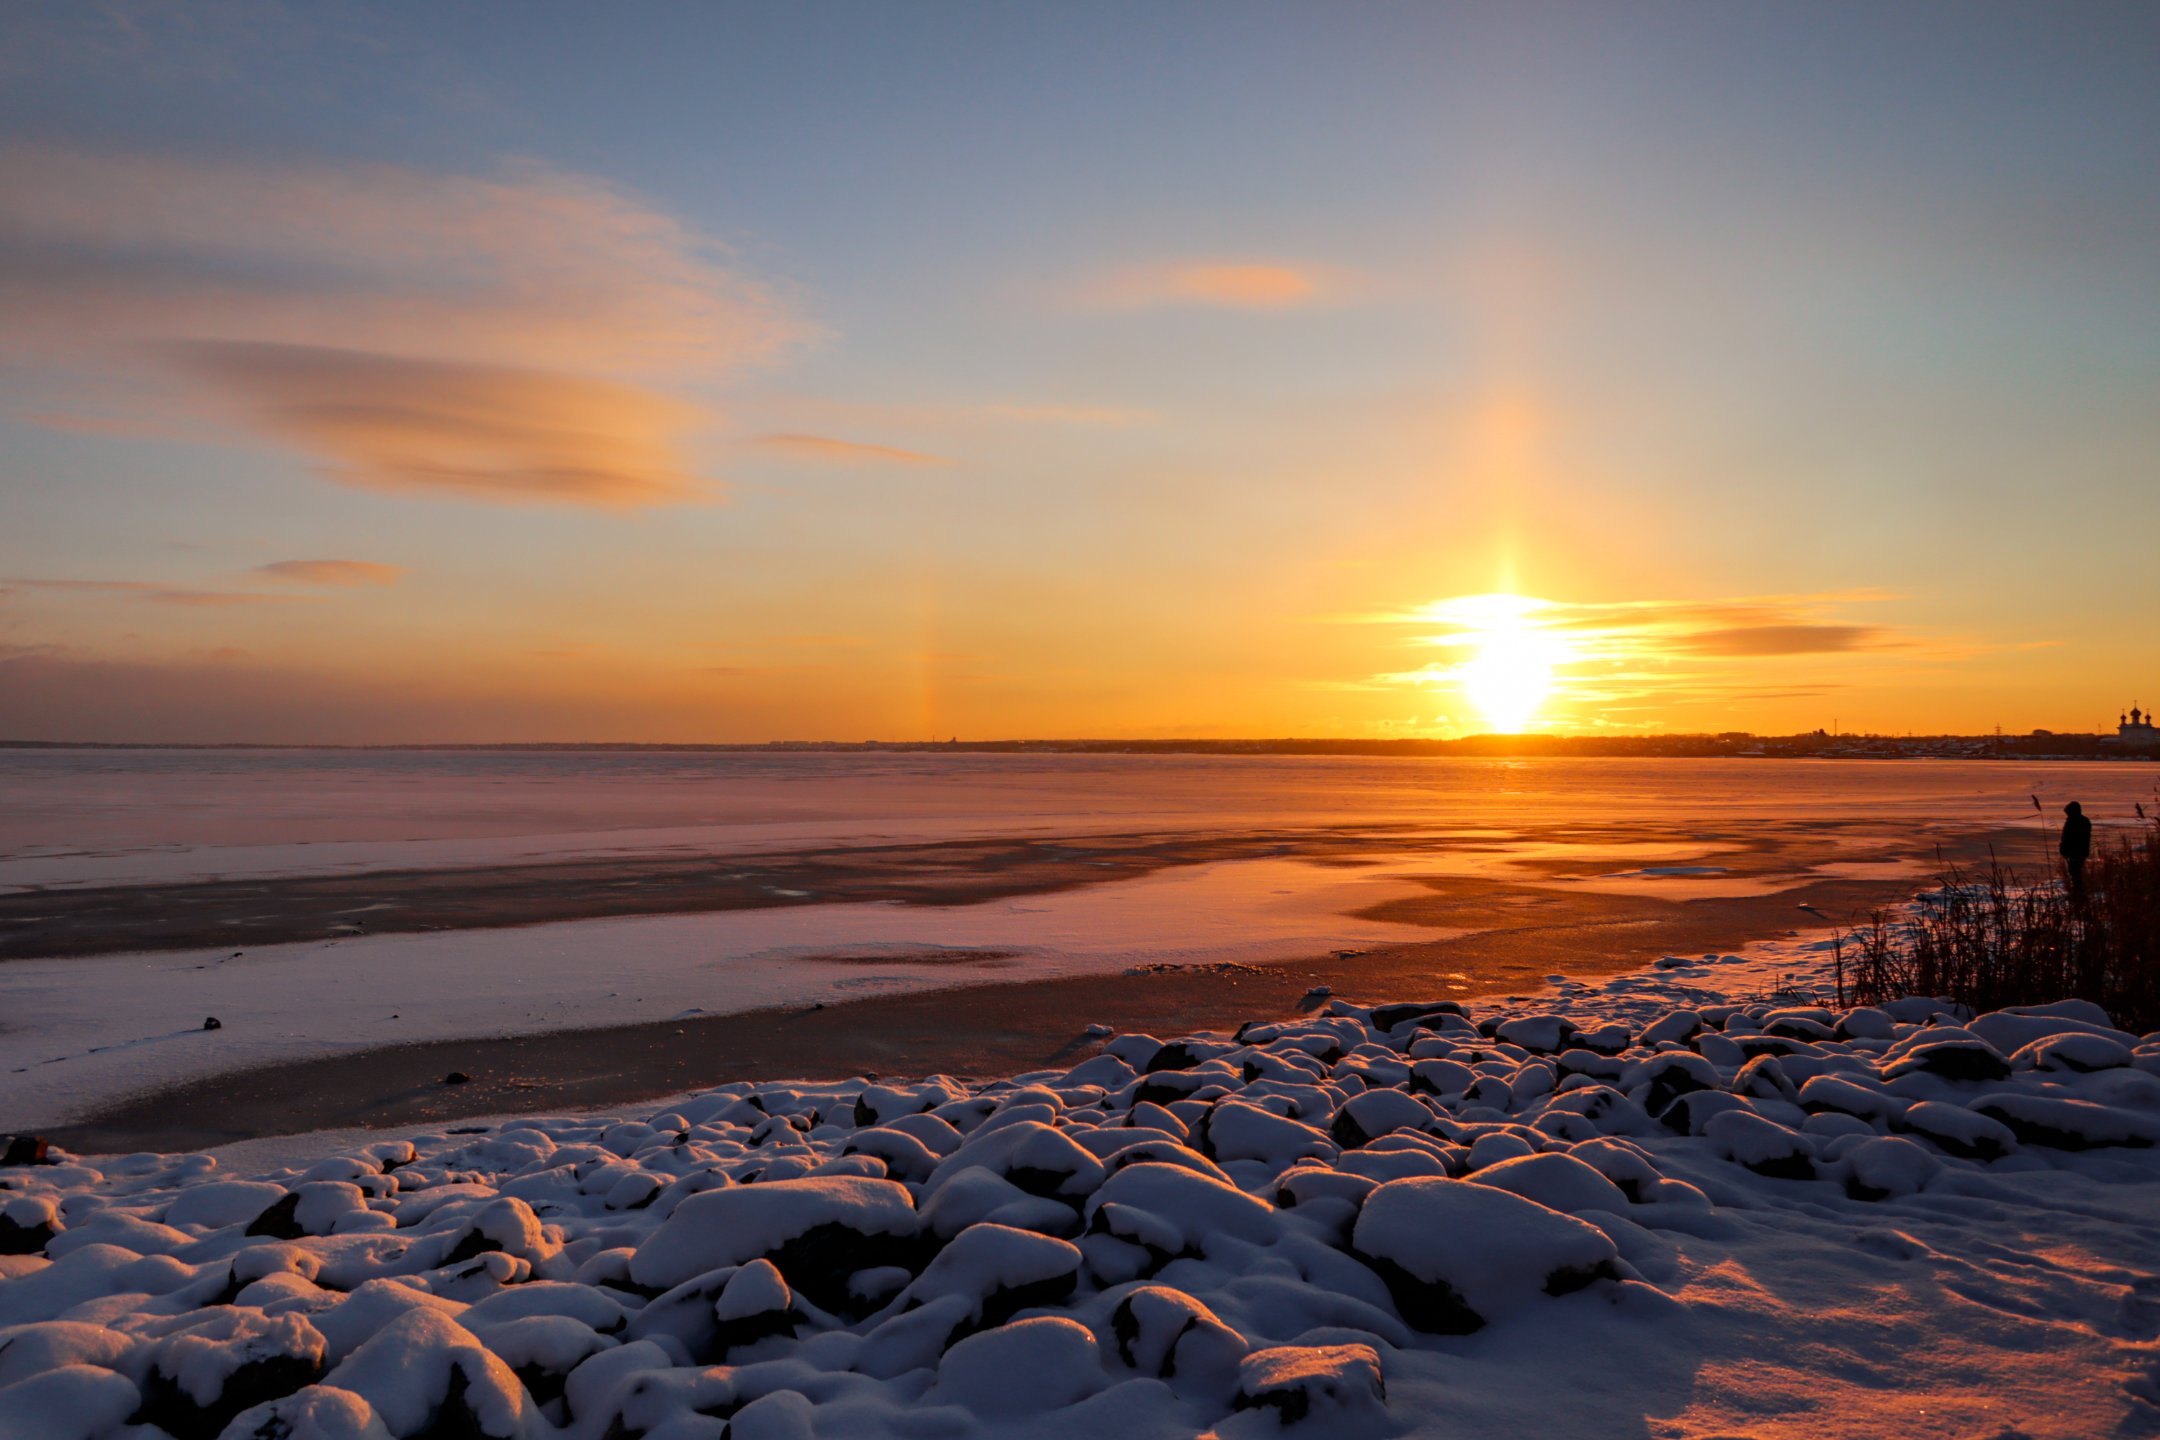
[{"x": 544, "y": 373}]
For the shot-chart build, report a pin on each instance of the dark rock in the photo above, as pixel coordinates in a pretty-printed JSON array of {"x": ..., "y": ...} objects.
[
  {"x": 1175, "y": 1056},
  {"x": 457, "y": 1077},
  {"x": 24, "y": 1239},
  {"x": 1676, "y": 1073},
  {"x": 1967, "y": 1060},
  {"x": 27, "y": 1150},
  {"x": 279, "y": 1222},
  {"x": 1387, "y": 1017},
  {"x": 213, "y": 1023},
  {"x": 174, "y": 1411}
]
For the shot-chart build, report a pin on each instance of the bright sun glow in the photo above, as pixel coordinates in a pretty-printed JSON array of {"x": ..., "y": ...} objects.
[{"x": 1509, "y": 675}]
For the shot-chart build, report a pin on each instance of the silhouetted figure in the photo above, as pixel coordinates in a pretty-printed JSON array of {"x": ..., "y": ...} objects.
[{"x": 2076, "y": 845}]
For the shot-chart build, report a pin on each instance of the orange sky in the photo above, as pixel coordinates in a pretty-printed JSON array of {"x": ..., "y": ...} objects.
[{"x": 793, "y": 381}]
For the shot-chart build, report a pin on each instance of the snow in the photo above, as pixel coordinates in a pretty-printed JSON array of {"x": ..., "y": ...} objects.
[{"x": 1866, "y": 1230}]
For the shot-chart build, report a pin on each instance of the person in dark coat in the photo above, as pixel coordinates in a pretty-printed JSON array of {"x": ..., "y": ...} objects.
[{"x": 2076, "y": 845}]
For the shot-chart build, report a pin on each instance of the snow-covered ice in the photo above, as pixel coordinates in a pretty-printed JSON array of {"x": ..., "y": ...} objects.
[{"x": 1691, "y": 1201}]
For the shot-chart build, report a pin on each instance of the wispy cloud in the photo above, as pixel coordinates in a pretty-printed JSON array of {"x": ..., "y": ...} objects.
[
  {"x": 824, "y": 447},
  {"x": 505, "y": 331},
  {"x": 150, "y": 591},
  {"x": 332, "y": 572},
  {"x": 1227, "y": 284},
  {"x": 1742, "y": 640}
]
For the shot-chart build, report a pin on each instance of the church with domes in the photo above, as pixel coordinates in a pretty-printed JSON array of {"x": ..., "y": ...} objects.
[{"x": 2137, "y": 728}]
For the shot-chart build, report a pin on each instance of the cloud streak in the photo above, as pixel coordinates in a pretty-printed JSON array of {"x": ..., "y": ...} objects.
[
  {"x": 149, "y": 591},
  {"x": 824, "y": 447},
  {"x": 332, "y": 572},
  {"x": 1219, "y": 284}
]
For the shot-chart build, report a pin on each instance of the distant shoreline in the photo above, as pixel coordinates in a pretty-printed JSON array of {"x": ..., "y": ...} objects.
[{"x": 1813, "y": 746}]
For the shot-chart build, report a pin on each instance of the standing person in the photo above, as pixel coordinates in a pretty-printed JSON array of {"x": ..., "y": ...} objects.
[{"x": 2076, "y": 845}]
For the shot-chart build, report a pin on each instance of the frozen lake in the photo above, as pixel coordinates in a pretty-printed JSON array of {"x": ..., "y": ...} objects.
[
  {"x": 100, "y": 816},
  {"x": 81, "y": 1030}
]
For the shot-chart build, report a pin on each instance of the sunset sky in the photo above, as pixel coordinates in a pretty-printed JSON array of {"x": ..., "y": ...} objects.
[{"x": 659, "y": 372}]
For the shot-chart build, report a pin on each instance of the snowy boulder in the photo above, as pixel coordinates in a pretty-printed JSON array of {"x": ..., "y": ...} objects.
[
  {"x": 1675, "y": 1027},
  {"x": 1605, "y": 1041},
  {"x": 117, "y": 1228},
  {"x": 1626, "y": 1167},
  {"x": 1196, "y": 1211},
  {"x": 1307, "y": 1183},
  {"x": 2063, "y": 1124},
  {"x": 1037, "y": 1158},
  {"x": 1668, "y": 1076},
  {"x": 28, "y": 1224},
  {"x": 1183, "y": 1055},
  {"x": 222, "y": 1203},
  {"x": 1539, "y": 1034},
  {"x": 203, "y": 1376},
  {"x": 2075, "y": 1053},
  {"x": 1865, "y": 1022},
  {"x": 754, "y": 1304},
  {"x": 1692, "y": 1113},
  {"x": 1957, "y": 1131},
  {"x": 882, "y": 1104},
  {"x": 1025, "y": 1368},
  {"x": 1167, "y": 1334},
  {"x": 1765, "y": 1078},
  {"x": 1323, "y": 1383},
  {"x": 1604, "y": 1108},
  {"x": 776, "y": 1415},
  {"x": 1456, "y": 1255},
  {"x": 1801, "y": 1024},
  {"x": 1365, "y": 1118},
  {"x": 316, "y": 1413},
  {"x": 1239, "y": 1130},
  {"x": 1439, "y": 1076},
  {"x": 423, "y": 1374},
  {"x": 73, "y": 1402},
  {"x": 1848, "y": 1096},
  {"x": 1387, "y": 1017},
  {"x": 998, "y": 1272},
  {"x": 1762, "y": 1145},
  {"x": 2014, "y": 1028},
  {"x": 1556, "y": 1181},
  {"x": 974, "y": 1196},
  {"x": 1885, "y": 1167},
  {"x": 25, "y": 1350},
  {"x": 1967, "y": 1059},
  {"x": 817, "y": 1232},
  {"x": 906, "y": 1158}
]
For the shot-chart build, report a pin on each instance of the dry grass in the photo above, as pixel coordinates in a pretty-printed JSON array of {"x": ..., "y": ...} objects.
[{"x": 2007, "y": 938}]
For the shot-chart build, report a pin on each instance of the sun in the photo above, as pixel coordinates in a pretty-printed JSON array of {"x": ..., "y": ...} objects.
[{"x": 1509, "y": 675}]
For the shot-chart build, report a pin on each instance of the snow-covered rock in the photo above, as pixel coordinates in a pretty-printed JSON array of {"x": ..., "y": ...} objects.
[{"x": 1457, "y": 1255}]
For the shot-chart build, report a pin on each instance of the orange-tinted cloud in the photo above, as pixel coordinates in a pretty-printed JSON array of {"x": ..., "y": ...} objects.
[
  {"x": 1246, "y": 285},
  {"x": 332, "y": 572},
  {"x": 824, "y": 447},
  {"x": 1784, "y": 640},
  {"x": 487, "y": 432},
  {"x": 1610, "y": 657},
  {"x": 499, "y": 337}
]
